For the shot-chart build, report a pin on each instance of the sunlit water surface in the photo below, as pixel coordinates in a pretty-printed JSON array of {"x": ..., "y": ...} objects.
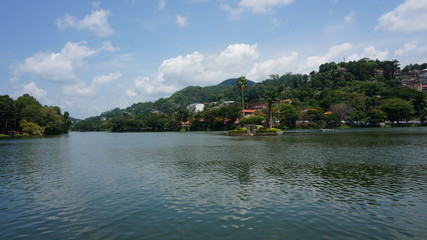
[{"x": 348, "y": 184}]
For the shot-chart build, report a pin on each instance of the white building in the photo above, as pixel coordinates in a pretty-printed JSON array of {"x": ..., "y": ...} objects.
[{"x": 196, "y": 107}]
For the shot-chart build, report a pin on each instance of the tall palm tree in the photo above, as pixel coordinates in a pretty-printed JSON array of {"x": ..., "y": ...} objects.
[
  {"x": 242, "y": 84},
  {"x": 281, "y": 89},
  {"x": 270, "y": 96}
]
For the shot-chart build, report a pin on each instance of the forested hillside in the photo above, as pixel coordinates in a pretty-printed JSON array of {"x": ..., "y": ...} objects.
[{"x": 357, "y": 93}]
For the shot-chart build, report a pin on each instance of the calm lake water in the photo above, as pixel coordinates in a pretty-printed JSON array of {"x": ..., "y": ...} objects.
[{"x": 348, "y": 184}]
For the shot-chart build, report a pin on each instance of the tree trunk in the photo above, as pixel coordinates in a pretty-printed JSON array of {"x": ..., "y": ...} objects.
[{"x": 243, "y": 105}]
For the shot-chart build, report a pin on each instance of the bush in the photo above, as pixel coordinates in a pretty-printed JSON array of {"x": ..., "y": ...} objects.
[
  {"x": 239, "y": 130},
  {"x": 268, "y": 130}
]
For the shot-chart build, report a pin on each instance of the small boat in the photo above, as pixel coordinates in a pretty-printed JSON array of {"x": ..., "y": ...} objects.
[{"x": 327, "y": 130}]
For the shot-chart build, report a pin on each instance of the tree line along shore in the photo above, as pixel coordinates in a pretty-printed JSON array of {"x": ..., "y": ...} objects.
[{"x": 363, "y": 93}]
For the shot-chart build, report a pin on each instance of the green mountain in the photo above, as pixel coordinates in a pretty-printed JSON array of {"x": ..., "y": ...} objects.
[
  {"x": 232, "y": 82},
  {"x": 182, "y": 99}
]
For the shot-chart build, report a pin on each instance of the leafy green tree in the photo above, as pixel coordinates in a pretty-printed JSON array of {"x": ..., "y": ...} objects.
[
  {"x": 288, "y": 115},
  {"x": 182, "y": 115},
  {"x": 332, "y": 120},
  {"x": 66, "y": 122},
  {"x": 311, "y": 118},
  {"x": 24, "y": 101},
  {"x": 53, "y": 120},
  {"x": 254, "y": 119},
  {"x": 280, "y": 90},
  {"x": 418, "y": 99},
  {"x": 33, "y": 113},
  {"x": 7, "y": 113},
  {"x": 327, "y": 67},
  {"x": 375, "y": 116},
  {"x": 390, "y": 68},
  {"x": 31, "y": 129},
  {"x": 397, "y": 109}
]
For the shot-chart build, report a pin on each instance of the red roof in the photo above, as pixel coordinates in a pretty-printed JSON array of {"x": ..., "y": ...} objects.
[{"x": 248, "y": 111}]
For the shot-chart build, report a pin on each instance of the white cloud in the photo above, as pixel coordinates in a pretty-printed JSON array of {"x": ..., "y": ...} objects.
[
  {"x": 103, "y": 79},
  {"x": 32, "y": 89},
  {"x": 196, "y": 69},
  {"x": 146, "y": 88},
  {"x": 131, "y": 93},
  {"x": 96, "y": 22},
  {"x": 408, "y": 48},
  {"x": 263, "y": 69},
  {"x": 238, "y": 53},
  {"x": 83, "y": 89},
  {"x": 255, "y": 6},
  {"x": 80, "y": 89},
  {"x": 345, "y": 23},
  {"x": 408, "y": 17},
  {"x": 369, "y": 52},
  {"x": 58, "y": 67},
  {"x": 350, "y": 18},
  {"x": 204, "y": 69},
  {"x": 107, "y": 46},
  {"x": 181, "y": 21},
  {"x": 334, "y": 53},
  {"x": 262, "y": 6},
  {"x": 162, "y": 4},
  {"x": 412, "y": 52}
]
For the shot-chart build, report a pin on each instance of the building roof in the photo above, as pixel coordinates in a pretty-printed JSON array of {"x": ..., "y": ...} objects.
[{"x": 247, "y": 111}]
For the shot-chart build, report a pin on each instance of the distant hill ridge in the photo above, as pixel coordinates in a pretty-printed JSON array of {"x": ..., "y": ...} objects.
[{"x": 232, "y": 82}]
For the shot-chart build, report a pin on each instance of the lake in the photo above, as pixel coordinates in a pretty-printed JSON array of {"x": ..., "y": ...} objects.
[{"x": 347, "y": 184}]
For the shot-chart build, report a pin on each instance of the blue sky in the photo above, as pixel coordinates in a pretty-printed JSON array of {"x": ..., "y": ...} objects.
[{"x": 89, "y": 57}]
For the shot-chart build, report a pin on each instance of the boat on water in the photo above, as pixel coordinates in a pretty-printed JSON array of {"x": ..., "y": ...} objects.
[{"x": 327, "y": 130}]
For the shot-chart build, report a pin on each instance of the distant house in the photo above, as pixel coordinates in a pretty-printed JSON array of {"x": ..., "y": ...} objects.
[
  {"x": 289, "y": 101},
  {"x": 379, "y": 72},
  {"x": 196, "y": 107},
  {"x": 248, "y": 112},
  {"x": 256, "y": 106},
  {"x": 423, "y": 79},
  {"x": 413, "y": 84},
  {"x": 222, "y": 103},
  {"x": 185, "y": 124},
  {"x": 228, "y": 102}
]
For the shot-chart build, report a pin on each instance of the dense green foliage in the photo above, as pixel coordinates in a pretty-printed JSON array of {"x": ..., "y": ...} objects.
[
  {"x": 27, "y": 116},
  {"x": 357, "y": 93}
]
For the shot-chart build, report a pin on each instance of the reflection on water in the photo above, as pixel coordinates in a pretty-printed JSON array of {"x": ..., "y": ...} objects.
[{"x": 348, "y": 184}]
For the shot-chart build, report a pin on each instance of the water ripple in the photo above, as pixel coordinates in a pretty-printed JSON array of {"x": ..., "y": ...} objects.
[{"x": 303, "y": 185}]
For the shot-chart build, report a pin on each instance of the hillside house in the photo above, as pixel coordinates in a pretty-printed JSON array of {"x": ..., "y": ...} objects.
[
  {"x": 196, "y": 107},
  {"x": 423, "y": 80},
  {"x": 256, "y": 106},
  {"x": 413, "y": 84},
  {"x": 248, "y": 112}
]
